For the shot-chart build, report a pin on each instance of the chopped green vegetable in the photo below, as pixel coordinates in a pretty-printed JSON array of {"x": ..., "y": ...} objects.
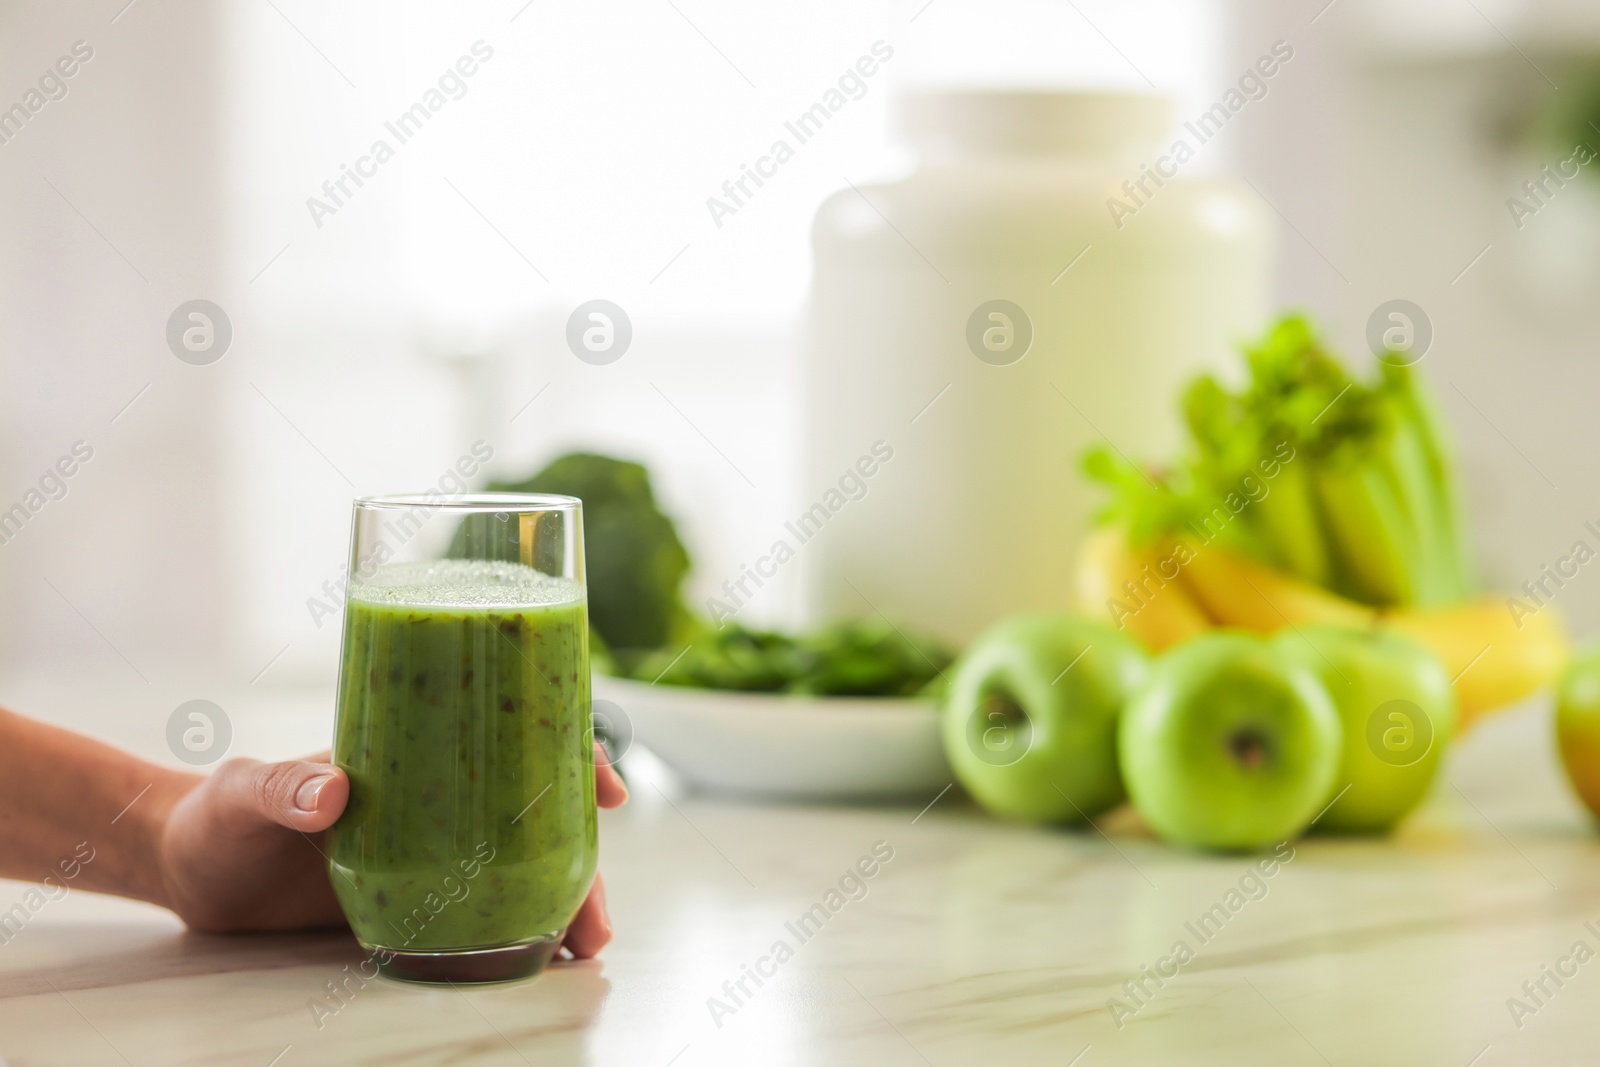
[
  {"x": 1347, "y": 483},
  {"x": 730, "y": 658},
  {"x": 867, "y": 658}
]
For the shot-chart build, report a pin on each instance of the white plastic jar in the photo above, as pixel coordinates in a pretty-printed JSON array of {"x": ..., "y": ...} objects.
[{"x": 1046, "y": 279}]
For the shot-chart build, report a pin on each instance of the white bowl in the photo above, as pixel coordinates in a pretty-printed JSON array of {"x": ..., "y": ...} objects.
[{"x": 818, "y": 748}]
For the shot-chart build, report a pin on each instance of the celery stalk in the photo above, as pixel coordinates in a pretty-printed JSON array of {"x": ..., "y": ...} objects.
[
  {"x": 1404, "y": 463},
  {"x": 1406, "y": 386},
  {"x": 1370, "y": 531},
  {"x": 1290, "y": 525},
  {"x": 1368, "y": 506}
]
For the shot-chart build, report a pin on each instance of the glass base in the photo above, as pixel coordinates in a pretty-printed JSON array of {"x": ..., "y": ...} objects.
[{"x": 470, "y": 966}]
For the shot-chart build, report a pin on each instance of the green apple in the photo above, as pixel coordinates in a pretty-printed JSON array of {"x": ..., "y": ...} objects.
[
  {"x": 1578, "y": 726},
  {"x": 1228, "y": 744},
  {"x": 1399, "y": 711},
  {"x": 1030, "y": 722}
]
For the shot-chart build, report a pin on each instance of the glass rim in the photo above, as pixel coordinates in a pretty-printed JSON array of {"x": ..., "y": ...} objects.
[{"x": 433, "y": 500}]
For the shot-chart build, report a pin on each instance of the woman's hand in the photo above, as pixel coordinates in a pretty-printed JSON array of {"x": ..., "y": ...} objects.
[
  {"x": 243, "y": 849},
  {"x": 240, "y": 850}
]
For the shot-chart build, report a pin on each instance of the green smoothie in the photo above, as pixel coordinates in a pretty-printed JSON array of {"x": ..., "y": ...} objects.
[{"x": 464, "y": 727}]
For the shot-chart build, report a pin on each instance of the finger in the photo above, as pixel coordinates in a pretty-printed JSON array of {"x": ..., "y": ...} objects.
[
  {"x": 591, "y": 928},
  {"x": 609, "y": 789},
  {"x": 299, "y": 794}
]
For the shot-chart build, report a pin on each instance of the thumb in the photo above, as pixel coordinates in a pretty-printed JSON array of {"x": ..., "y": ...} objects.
[{"x": 300, "y": 794}]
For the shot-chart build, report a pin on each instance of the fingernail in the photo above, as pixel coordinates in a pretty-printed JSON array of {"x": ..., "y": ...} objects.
[{"x": 306, "y": 798}]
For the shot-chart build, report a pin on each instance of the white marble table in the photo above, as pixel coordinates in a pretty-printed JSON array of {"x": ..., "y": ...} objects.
[{"x": 977, "y": 943}]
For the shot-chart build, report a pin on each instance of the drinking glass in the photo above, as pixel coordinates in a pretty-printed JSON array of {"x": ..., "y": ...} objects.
[{"x": 464, "y": 724}]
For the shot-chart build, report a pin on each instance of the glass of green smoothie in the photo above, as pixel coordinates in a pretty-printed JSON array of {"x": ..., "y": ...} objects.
[{"x": 463, "y": 722}]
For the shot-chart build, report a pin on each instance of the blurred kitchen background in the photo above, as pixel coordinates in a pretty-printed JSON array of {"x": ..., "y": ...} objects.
[{"x": 428, "y": 312}]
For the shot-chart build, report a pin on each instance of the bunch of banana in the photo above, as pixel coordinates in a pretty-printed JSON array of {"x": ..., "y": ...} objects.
[{"x": 1172, "y": 589}]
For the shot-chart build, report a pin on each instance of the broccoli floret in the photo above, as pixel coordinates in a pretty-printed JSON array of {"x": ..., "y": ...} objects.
[{"x": 635, "y": 562}]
